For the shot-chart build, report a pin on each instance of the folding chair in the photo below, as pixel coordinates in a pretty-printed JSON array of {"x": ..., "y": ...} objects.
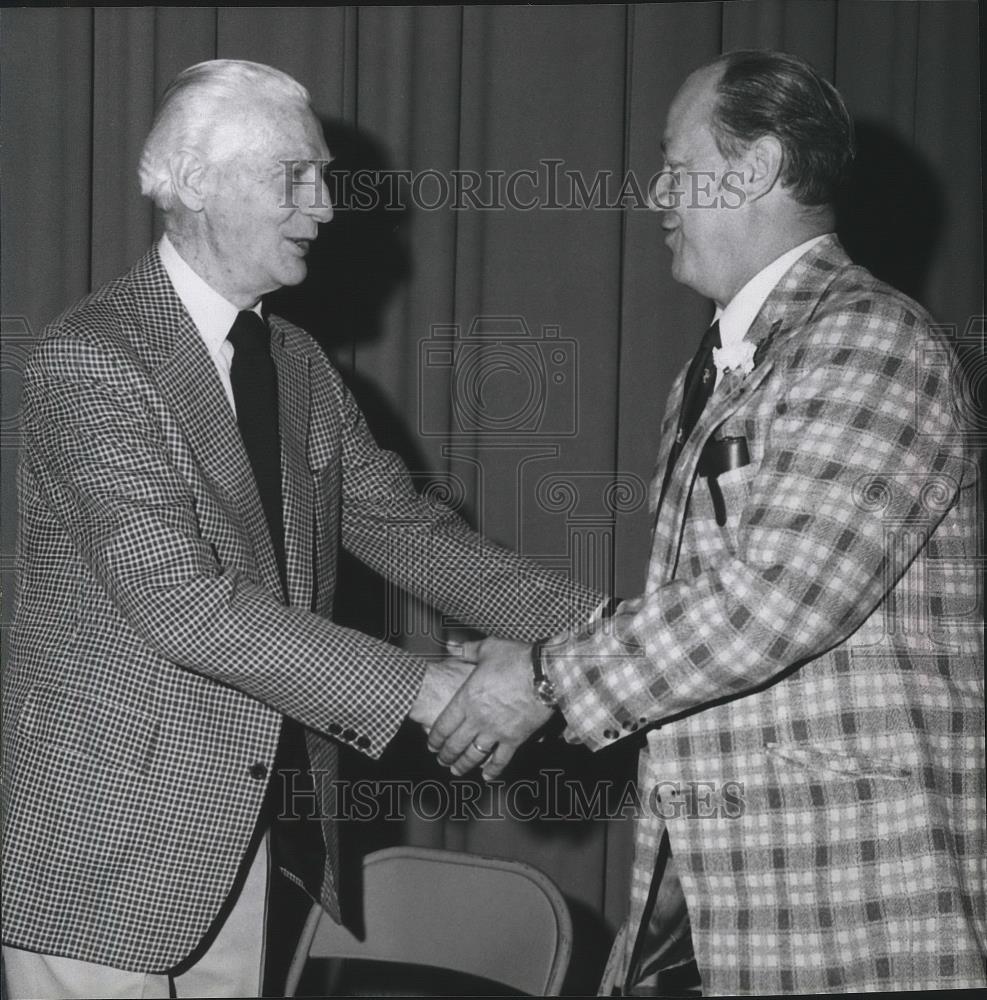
[{"x": 501, "y": 920}]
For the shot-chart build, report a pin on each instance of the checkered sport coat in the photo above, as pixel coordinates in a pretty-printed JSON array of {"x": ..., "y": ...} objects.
[
  {"x": 153, "y": 655},
  {"x": 815, "y": 665}
]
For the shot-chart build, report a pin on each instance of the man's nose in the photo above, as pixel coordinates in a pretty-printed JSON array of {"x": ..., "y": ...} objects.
[
  {"x": 664, "y": 193},
  {"x": 320, "y": 207}
]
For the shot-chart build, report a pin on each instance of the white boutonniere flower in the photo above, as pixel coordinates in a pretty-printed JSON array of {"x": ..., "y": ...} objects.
[{"x": 737, "y": 357}]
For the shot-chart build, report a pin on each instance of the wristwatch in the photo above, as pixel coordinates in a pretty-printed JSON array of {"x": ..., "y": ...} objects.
[{"x": 543, "y": 688}]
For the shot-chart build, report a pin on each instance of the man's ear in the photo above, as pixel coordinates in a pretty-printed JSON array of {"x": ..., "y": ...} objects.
[
  {"x": 761, "y": 165},
  {"x": 190, "y": 178}
]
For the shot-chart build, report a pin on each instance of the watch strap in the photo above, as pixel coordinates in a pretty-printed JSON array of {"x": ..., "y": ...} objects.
[{"x": 543, "y": 688}]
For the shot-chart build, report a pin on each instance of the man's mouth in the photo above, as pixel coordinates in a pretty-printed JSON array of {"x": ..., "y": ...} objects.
[{"x": 302, "y": 244}]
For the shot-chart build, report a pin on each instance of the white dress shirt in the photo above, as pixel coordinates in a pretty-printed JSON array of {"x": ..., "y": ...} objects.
[
  {"x": 740, "y": 312},
  {"x": 212, "y": 315}
]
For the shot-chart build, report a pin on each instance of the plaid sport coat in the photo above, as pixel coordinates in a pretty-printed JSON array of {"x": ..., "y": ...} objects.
[
  {"x": 810, "y": 674},
  {"x": 153, "y": 654}
]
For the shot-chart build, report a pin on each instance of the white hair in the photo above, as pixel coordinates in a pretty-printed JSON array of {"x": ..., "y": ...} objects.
[{"x": 206, "y": 109}]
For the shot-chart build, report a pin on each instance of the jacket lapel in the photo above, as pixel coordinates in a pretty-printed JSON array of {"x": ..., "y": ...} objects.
[
  {"x": 782, "y": 317},
  {"x": 296, "y": 479},
  {"x": 170, "y": 346},
  {"x": 666, "y": 439}
]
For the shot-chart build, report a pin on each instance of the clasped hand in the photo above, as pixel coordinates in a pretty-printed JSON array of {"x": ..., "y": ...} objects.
[{"x": 478, "y": 706}]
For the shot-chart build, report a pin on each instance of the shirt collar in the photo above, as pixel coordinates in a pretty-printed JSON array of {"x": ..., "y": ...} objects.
[
  {"x": 212, "y": 314},
  {"x": 741, "y": 311}
]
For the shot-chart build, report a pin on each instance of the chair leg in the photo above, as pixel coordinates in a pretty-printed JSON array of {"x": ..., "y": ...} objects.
[
  {"x": 301, "y": 952},
  {"x": 334, "y": 975}
]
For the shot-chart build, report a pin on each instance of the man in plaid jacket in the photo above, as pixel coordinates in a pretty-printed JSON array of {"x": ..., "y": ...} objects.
[
  {"x": 168, "y": 629},
  {"x": 806, "y": 657}
]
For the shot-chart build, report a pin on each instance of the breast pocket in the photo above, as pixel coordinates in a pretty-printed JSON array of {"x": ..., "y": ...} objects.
[
  {"x": 723, "y": 499},
  {"x": 736, "y": 484}
]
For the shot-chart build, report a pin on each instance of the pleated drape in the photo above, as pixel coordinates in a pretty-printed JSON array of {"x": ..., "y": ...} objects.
[{"x": 580, "y": 295}]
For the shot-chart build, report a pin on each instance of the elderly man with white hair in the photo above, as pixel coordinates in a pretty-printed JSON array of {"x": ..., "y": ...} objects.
[{"x": 190, "y": 467}]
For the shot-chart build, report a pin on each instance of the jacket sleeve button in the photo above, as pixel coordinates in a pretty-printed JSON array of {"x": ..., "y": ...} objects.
[
  {"x": 610, "y": 734},
  {"x": 258, "y": 771},
  {"x": 363, "y": 742},
  {"x": 349, "y": 735},
  {"x": 335, "y": 728}
]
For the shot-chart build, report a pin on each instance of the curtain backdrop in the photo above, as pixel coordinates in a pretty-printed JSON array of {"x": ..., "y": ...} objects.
[{"x": 582, "y": 325}]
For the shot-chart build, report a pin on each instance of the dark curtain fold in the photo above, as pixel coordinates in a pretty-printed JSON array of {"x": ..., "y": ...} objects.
[{"x": 576, "y": 296}]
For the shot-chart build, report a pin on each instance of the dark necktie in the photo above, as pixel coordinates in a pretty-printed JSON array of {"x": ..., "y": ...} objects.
[
  {"x": 296, "y": 843},
  {"x": 698, "y": 387},
  {"x": 255, "y": 392}
]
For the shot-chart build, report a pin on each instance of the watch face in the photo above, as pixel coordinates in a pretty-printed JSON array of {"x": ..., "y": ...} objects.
[{"x": 545, "y": 692}]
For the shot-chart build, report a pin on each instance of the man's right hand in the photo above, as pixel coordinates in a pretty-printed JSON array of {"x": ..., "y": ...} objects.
[{"x": 443, "y": 678}]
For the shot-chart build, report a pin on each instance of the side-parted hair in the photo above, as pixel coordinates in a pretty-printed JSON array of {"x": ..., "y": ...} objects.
[
  {"x": 198, "y": 112},
  {"x": 762, "y": 92}
]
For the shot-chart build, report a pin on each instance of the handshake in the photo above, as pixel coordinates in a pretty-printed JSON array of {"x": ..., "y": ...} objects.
[{"x": 478, "y": 705}]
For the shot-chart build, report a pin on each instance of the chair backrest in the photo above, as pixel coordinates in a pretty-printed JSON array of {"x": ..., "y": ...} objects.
[{"x": 502, "y": 920}]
